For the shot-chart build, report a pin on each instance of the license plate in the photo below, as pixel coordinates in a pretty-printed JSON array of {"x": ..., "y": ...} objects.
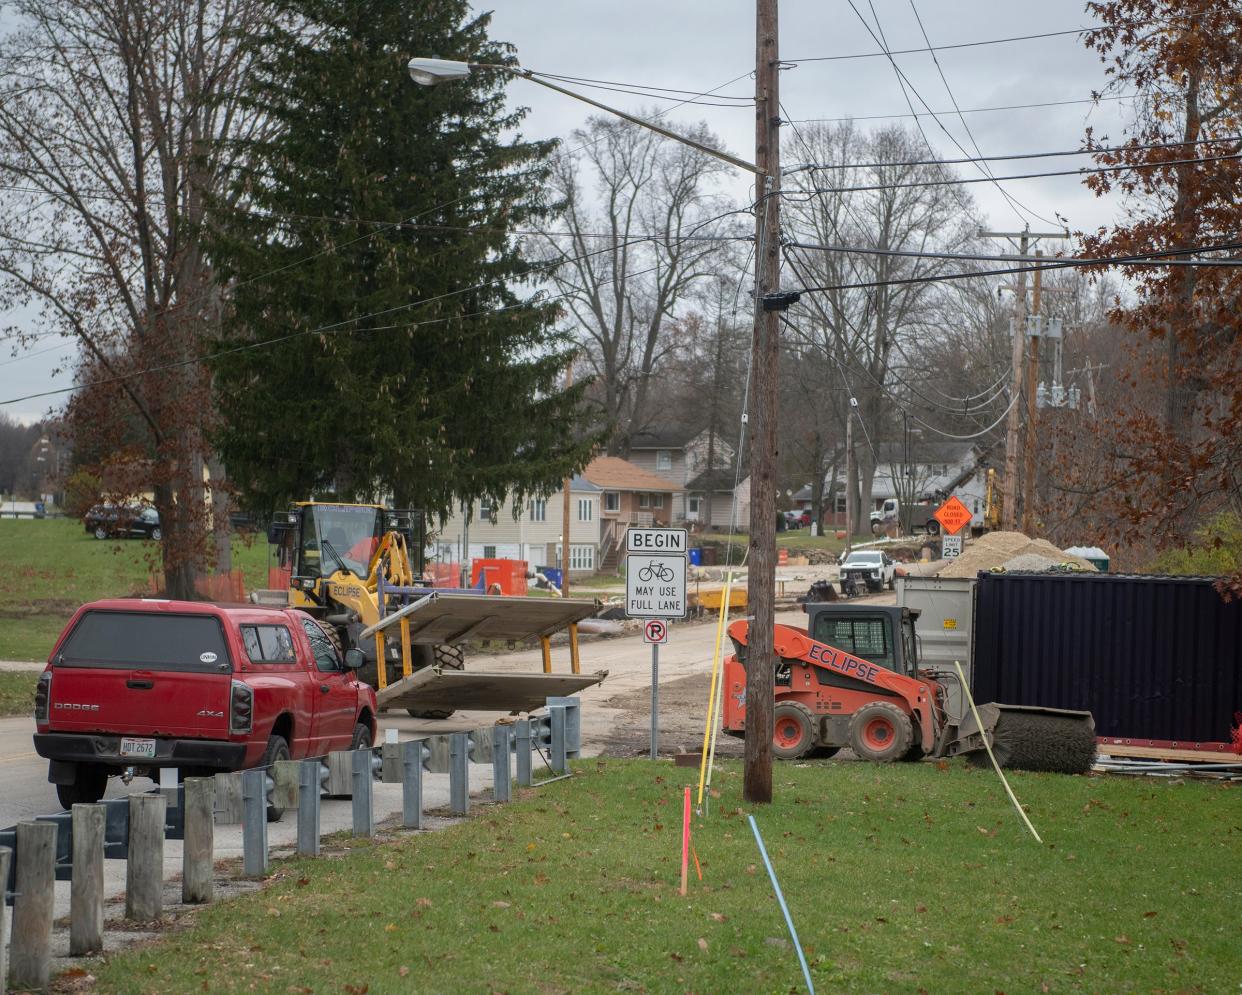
[{"x": 140, "y": 748}]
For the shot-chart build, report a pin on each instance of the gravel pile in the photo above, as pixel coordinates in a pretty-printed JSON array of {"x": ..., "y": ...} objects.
[{"x": 1009, "y": 551}]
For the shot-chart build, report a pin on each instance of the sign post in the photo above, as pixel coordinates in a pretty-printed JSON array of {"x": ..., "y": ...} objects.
[
  {"x": 655, "y": 632},
  {"x": 655, "y": 589}
]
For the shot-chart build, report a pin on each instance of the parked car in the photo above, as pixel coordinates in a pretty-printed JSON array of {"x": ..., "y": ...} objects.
[
  {"x": 797, "y": 519},
  {"x": 110, "y": 521},
  {"x": 133, "y": 686},
  {"x": 871, "y": 567}
]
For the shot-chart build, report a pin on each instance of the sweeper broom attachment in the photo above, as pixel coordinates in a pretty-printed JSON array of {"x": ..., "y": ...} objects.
[{"x": 1024, "y": 737}]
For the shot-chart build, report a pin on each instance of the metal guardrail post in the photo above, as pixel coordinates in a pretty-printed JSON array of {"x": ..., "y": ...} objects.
[
  {"x": 573, "y": 723},
  {"x": 459, "y": 773},
  {"x": 413, "y": 755},
  {"x": 523, "y": 750},
  {"x": 363, "y": 811},
  {"x": 309, "y": 776},
  {"x": 144, "y": 869},
  {"x": 559, "y": 760},
  {"x": 198, "y": 850},
  {"x": 502, "y": 785},
  {"x": 254, "y": 822},
  {"x": 6, "y": 857},
  {"x": 30, "y": 950},
  {"x": 86, "y": 892}
]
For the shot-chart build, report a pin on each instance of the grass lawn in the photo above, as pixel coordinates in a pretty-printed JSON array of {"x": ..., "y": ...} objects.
[
  {"x": 17, "y": 692},
  {"x": 906, "y": 877},
  {"x": 51, "y": 566}
]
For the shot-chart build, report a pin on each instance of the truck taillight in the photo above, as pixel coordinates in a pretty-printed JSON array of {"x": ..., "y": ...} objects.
[
  {"x": 241, "y": 708},
  {"x": 43, "y": 696}
]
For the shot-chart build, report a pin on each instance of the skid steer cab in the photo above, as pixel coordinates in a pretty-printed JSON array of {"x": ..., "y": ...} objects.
[{"x": 852, "y": 679}]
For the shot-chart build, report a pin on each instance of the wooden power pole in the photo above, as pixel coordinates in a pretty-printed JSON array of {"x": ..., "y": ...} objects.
[
  {"x": 765, "y": 354},
  {"x": 1013, "y": 428},
  {"x": 1032, "y": 408}
]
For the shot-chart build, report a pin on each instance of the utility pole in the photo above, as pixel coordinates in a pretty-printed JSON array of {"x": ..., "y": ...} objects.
[
  {"x": 1032, "y": 408},
  {"x": 849, "y": 475},
  {"x": 765, "y": 355},
  {"x": 1013, "y": 427},
  {"x": 569, "y": 382}
]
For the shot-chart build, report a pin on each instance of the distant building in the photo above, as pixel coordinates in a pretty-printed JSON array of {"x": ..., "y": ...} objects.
[
  {"x": 681, "y": 457},
  {"x": 632, "y": 496}
]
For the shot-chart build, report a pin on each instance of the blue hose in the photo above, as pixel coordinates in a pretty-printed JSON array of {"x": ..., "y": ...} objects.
[{"x": 763, "y": 852}]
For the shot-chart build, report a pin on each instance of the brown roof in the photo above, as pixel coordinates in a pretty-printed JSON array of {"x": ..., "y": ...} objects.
[{"x": 615, "y": 474}]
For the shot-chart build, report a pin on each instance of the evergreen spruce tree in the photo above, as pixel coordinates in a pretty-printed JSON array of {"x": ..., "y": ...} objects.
[{"x": 437, "y": 374}]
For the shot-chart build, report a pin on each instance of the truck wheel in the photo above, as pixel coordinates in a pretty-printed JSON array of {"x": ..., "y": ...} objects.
[
  {"x": 793, "y": 732},
  {"x": 880, "y": 732},
  {"x": 277, "y": 749},
  {"x": 87, "y": 788},
  {"x": 362, "y": 737}
]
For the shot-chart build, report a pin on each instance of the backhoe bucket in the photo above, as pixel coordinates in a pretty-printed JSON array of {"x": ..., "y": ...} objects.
[{"x": 1024, "y": 737}]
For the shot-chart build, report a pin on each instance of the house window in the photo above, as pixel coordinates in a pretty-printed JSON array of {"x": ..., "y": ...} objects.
[
  {"x": 586, "y": 512},
  {"x": 664, "y": 459},
  {"x": 538, "y": 510},
  {"x": 581, "y": 557},
  {"x": 485, "y": 511},
  {"x": 657, "y": 500},
  {"x": 612, "y": 501},
  {"x": 692, "y": 505},
  {"x": 489, "y": 552},
  {"x": 840, "y": 505},
  {"x": 644, "y": 500}
]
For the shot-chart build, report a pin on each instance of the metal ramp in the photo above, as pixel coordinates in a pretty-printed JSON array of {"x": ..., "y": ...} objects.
[{"x": 435, "y": 689}]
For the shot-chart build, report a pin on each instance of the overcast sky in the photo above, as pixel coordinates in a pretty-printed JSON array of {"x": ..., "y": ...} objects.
[{"x": 697, "y": 45}]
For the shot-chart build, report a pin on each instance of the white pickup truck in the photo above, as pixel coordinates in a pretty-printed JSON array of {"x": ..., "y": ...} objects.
[{"x": 870, "y": 567}]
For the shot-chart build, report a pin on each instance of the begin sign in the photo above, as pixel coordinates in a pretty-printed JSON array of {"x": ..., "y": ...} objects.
[{"x": 655, "y": 573}]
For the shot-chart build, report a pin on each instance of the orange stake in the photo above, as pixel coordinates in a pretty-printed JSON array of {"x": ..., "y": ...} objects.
[{"x": 685, "y": 841}]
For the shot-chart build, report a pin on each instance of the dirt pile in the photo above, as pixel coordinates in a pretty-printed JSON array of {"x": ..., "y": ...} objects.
[{"x": 1011, "y": 551}]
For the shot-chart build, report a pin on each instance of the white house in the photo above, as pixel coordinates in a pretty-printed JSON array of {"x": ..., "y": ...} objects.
[{"x": 533, "y": 534}]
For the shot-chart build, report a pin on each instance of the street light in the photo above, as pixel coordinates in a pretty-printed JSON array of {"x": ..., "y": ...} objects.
[{"x": 429, "y": 72}]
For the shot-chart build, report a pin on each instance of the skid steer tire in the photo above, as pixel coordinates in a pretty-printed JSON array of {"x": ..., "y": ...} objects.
[
  {"x": 793, "y": 731},
  {"x": 880, "y": 732}
]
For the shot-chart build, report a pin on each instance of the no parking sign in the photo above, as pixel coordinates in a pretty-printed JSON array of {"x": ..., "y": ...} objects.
[{"x": 655, "y": 631}]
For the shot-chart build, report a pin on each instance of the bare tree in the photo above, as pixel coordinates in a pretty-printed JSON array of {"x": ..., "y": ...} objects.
[
  {"x": 114, "y": 116},
  {"x": 866, "y": 314},
  {"x": 638, "y": 218}
]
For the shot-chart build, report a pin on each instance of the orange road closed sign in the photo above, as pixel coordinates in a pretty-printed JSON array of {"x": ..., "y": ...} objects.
[{"x": 953, "y": 516}]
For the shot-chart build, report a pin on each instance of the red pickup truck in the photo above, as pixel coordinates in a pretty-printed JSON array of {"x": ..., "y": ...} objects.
[{"x": 136, "y": 685}]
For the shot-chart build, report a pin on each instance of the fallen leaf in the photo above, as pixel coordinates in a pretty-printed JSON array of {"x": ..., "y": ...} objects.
[
  {"x": 390, "y": 865},
  {"x": 1149, "y": 915},
  {"x": 702, "y": 944},
  {"x": 1123, "y": 939},
  {"x": 500, "y": 905},
  {"x": 676, "y": 957},
  {"x": 403, "y": 971},
  {"x": 423, "y": 903},
  {"x": 751, "y": 868},
  {"x": 390, "y": 928},
  {"x": 920, "y": 908},
  {"x": 1004, "y": 920},
  {"x": 303, "y": 882},
  {"x": 719, "y": 917}
]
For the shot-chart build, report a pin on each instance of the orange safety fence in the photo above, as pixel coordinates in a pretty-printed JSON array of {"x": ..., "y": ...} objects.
[{"x": 229, "y": 586}]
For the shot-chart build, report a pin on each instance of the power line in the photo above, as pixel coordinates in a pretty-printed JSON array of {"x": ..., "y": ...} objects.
[
  {"x": 943, "y": 48},
  {"x": 340, "y": 325},
  {"x": 641, "y": 90},
  {"x": 1155, "y": 259},
  {"x": 905, "y": 82},
  {"x": 967, "y": 110},
  {"x": 1102, "y": 150},
  {"x": 1083, "y": 171},
  {"x": 1051, "y": 264}
]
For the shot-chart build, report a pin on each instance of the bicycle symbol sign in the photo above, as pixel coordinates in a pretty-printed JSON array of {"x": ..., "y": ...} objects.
[
  {"x": 655, "y": 585},
  {"x": 655, "y": 631}
]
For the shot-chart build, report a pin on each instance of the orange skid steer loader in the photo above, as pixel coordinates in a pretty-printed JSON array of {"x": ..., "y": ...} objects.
[{"x": 874, "y": 698}]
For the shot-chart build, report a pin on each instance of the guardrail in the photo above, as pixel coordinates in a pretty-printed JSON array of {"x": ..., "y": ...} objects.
[{"x": 74, "y": 845}]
